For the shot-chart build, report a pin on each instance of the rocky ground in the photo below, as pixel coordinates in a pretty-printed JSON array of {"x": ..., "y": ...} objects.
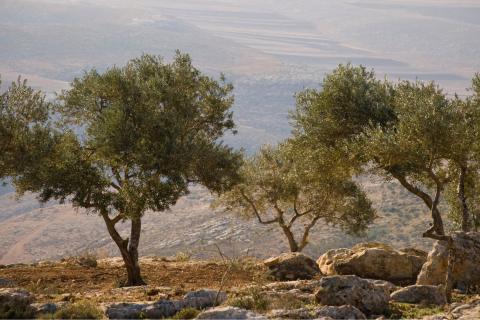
[{"x": 367, "y": 281}]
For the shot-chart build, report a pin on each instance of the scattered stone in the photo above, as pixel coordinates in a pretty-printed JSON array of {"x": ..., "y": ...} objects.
[
  {"x": 301, "y": 313},
  {"x": 386, "y": 286},
  {"x": 229, "y": 313},
  {"x": 40, "y": 308},
  {"x": 292, "y": 266},
  {"x": 419, "y": 294},
  {"x": 354, "y": 291},
  {"x": 467, "y": 259},
  {"x": 202, "y": 299},
  {"x": 468, "y": 311},
  {"x": 161, "y": 309},
  {"x": 375, "y": 261},
  {"x": 342, "y": 312},
  {"x": 164, "y": 308},
  {"x": 124, "y": 310}
]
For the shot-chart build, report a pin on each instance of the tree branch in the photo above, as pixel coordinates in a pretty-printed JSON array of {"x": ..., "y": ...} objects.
[{"x": 254, "y": 208}]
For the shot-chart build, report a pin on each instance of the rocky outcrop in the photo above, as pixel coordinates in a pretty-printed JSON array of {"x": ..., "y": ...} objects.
[
  {"x": 465, "y": 273},
  {"x": 229, "y": 313},
  {"x": 354, "y": 291},
  {"x": 375, "y": 261},
  {"x": 165, "y": 308},
  {"x": 419, "y": 294},
  {"x": 292, "y": 266},
  {"x": 15, "y": 303}
]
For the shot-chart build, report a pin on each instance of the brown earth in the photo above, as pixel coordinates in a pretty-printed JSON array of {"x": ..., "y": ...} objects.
[{"x": 167, "y": 279}]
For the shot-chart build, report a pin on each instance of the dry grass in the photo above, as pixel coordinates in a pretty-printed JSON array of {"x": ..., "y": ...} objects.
[{"x": 166, "y": 279}]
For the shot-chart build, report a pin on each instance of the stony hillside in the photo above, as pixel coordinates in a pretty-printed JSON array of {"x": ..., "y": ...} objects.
[{"x": 31, "y": 232}]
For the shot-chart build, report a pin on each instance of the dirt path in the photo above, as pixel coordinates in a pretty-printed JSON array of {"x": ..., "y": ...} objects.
[{"x": 16, "y": 252}]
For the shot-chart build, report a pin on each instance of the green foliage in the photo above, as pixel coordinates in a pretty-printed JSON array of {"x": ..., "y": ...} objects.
[
  {"x": 409, "y": 131},
  {"x": 150, "y": 129},
  {"x": 279, "y": 186},
  {"x": 351, "y": 99},
  {"x": 79, "y": 310},
  {"x": 23, "y": 127},
  {"x": 253, "y": 300},
  {"x": 187, "y": 313}
]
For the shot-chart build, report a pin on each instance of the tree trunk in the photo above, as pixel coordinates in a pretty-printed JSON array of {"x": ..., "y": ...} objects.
[
  {"x": 133, "y": 268},
  {"x": 128, "y": 249},
  {"x": 449, "y": 273},
  {"x": 291, "y": 239},
  {"x": 463, "y": 199}
]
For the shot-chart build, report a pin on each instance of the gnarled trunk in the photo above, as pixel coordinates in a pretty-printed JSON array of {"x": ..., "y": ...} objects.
[
  {"x": 291, "y": 239},
  {"x": 128, "y": 248},
  {"x": 462, "y": 198}
]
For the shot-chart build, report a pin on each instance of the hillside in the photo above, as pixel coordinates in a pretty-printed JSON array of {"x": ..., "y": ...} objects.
[{"x": 31, "y": 232}]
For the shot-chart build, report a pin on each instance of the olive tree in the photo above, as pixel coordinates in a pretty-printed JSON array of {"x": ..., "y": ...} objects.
[
  {"x": 132, "y": 140},
  {"x": 24, "y": 115},
  {"x": 278, "y": 186},
  {"x": 415, "y": 149}
]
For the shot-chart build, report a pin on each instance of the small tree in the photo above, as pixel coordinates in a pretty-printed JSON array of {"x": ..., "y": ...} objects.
[
  {"x": 279, "y": 187},
  {"x": 149, "y": 130}
]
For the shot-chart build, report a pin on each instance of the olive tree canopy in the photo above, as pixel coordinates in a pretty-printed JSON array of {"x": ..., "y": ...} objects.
[{"x": 147, "y": 130}]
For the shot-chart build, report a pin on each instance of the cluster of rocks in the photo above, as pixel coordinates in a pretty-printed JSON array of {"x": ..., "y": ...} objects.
[
  {"x": 356, "y": 283},
  {"x": 165, "y": 308}
]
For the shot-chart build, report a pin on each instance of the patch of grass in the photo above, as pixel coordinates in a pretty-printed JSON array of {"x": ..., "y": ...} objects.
[
  {"x": 187, "y": 313},
  {"x": 24, "y": 312},
  {"x": 253, "y": 300},
  {"x": 182, "y": 256},
  {"x": 411, "y": 311},
  {"x": 79, "y": 310}
]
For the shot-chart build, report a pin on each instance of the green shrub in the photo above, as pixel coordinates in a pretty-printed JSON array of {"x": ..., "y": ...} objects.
[
  {"x": 253, "y": 300},
  {"x": 187, "y": 313},
  {"x": 79, "y": 310},
  {"x": 411, "y": 311},
  {"x": 22, "y": 312}
]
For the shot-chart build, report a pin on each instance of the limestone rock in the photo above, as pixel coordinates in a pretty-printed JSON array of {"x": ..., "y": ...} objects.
[
  {"x": 354, "y": 291},
  {"x": 327, "y": 312},
  {"x": 292, "y": 266},
  {"x": 419, "y": 294},
  {"x": 375, "y": 261},
  {"x": 229, "y": 313},
  {"x": 386, "y": 286},
  {"x": 467, "y": 259},
  {"x": 467, "y": 311},
  {"x": 301, "y": 313},
  {"x": 202, "y": 299},
  {"x": 124, "y": 310},
  {"x": 341, "y": 312},
  {"x": 40, "y": 308},
  {"x": 161, "y": 309}
]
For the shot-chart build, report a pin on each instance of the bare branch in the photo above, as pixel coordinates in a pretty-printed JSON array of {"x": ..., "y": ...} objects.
[{"x": 254, "y": 208}]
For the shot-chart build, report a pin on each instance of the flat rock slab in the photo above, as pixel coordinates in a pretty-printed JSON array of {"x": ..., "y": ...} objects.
[{"x": 419, "y": 294}]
